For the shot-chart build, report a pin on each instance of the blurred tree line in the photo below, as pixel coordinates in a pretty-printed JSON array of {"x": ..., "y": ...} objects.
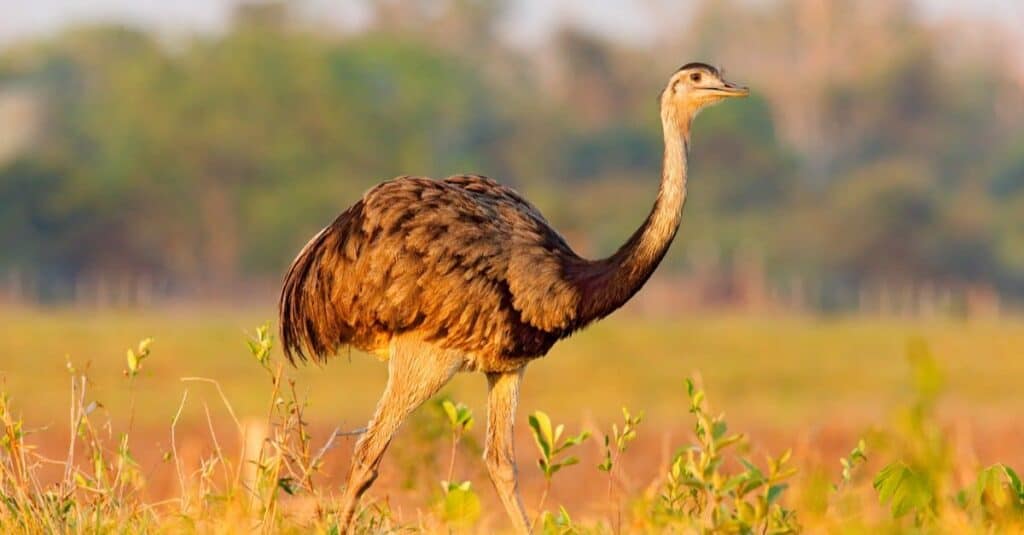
[{"x": 876, "y": 149}]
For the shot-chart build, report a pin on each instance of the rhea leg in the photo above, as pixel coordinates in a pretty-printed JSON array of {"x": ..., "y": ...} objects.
[
  {"x": 499, "y": 451},
  {"x": 415, "y": 373}
]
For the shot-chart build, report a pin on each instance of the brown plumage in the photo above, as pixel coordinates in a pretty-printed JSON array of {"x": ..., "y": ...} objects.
[
  {"x": 466, "y": 262},
  {"x": 464, "y": 274}
]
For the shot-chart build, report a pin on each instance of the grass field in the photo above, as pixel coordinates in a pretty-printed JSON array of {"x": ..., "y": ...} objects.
[
  {"x": 811, "y": 384},
  {"x": 789, "y": 371}
]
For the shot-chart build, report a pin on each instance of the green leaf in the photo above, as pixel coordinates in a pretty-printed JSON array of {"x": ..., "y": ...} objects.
[
  {"x": 465, "y": 417},
  {"x": 784, "y": 474},
  {"x": 718, "y": 429},
  {"x": 563, "y": 519},
  {"x": 1015, "y": 482},
  {"x": 449, "y": 410},
  {"x": 732, "y": 482},
  {"x": 859, "y": 453},
  {"x": 889, "y": 479},
  {"x": 697, "y": 400},
  {"x": 540, "y": 423},
  {"x": 461, "y": 506},
  {"x": 606, "y": 464},
  {"x": 746, "y": 512},
  {"x": 993, "y": 491},
  {"x": 903, "y": 488},
  {"x": 556, "y": 524},
  {"x": 286, "y": 484},
  {"x": 133, "y": 363},
  {"x": 572, "y": 441},
  {"x": 753, "y": 470},
  {"x": 730, "y": 440},
  {"x": 775, "y": 492}
]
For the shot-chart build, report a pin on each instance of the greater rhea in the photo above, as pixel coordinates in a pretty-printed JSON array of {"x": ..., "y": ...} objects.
[{"x": 464, "y": 274}]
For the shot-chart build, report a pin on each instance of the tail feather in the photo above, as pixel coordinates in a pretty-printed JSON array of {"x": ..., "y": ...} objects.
[{"x": 311, "y": 326}]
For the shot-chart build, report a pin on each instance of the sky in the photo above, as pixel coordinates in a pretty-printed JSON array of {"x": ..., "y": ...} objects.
[{"x": 531, "y": 19}]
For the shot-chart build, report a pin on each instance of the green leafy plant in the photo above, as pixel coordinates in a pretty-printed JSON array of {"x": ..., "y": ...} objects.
[
  {"x": 260, "y": 345},
  {"x": 127, "y": 467},
  {"x": 916, "y": 485},
  {"x": 913, "y": 483},
  {"x": 710, "y": 486},
  {"x": 906, "y": 490},
  {"x": 460, "y": 421},
  {"x": 460, "y": 505},
  {"x": 617, "y": 443},
  {"x": 550, "y": 445},
  {"x": 614, "y": 446},
  {"x": 997, "y": 497},
  {"x": 700, "y": 493},
  {"x": 849, "y": 463},
  {"x": 557, "y": 524},
  {"x": 135, "y": 358}
]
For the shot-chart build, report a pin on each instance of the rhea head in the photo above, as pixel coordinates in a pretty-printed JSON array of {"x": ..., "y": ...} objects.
[{"x": 696, "y": 86}]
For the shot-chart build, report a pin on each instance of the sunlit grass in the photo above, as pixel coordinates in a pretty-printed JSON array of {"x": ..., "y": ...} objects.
[
  {"x": 790, "y": 371},
  {"x": 908, "y": 472}
]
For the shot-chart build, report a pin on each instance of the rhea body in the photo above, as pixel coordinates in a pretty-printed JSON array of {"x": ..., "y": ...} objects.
[{"x": 464, "y": 274}]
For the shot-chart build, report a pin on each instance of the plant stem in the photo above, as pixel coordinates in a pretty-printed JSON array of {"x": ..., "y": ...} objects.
[
  {"x": 540, "y": 505},
  {"x": 174, "y": 453},
  {"x": 613, "y": 505},
  {"x": 451, "y": 460}
]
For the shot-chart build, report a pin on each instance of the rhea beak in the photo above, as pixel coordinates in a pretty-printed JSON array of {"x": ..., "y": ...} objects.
[{"x": 728, "y": 89}]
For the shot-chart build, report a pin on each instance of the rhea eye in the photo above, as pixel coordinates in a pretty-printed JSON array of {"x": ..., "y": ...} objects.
[{"x": 695, "y": 77}]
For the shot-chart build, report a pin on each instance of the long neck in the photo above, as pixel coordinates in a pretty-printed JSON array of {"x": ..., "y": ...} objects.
[{"x": 610, "y": 282}]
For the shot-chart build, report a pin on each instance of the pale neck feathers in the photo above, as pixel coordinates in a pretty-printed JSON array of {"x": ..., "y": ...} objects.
[{"x": 608, "y": 283}]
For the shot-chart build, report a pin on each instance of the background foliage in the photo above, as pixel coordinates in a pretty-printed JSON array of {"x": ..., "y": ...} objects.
[{"x": 879, "y": 148}]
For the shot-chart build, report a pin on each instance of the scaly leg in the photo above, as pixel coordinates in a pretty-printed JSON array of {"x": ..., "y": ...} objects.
[
  {"x": 416, "y": 371},
  {"x": 499, "y": 450}
]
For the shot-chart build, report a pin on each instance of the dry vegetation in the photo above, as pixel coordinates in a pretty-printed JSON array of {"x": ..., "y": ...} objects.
[{"x": 194, "y": 432}]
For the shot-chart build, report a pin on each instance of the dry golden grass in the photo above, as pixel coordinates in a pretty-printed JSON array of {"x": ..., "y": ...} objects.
[{"x": 808, "y": 384}]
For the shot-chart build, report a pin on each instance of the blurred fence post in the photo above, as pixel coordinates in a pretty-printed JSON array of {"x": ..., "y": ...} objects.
[{"x": 254, "y": 436}]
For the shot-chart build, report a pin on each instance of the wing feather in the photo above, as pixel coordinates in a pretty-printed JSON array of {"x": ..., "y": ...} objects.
[{"x": 466, "y": 260}]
